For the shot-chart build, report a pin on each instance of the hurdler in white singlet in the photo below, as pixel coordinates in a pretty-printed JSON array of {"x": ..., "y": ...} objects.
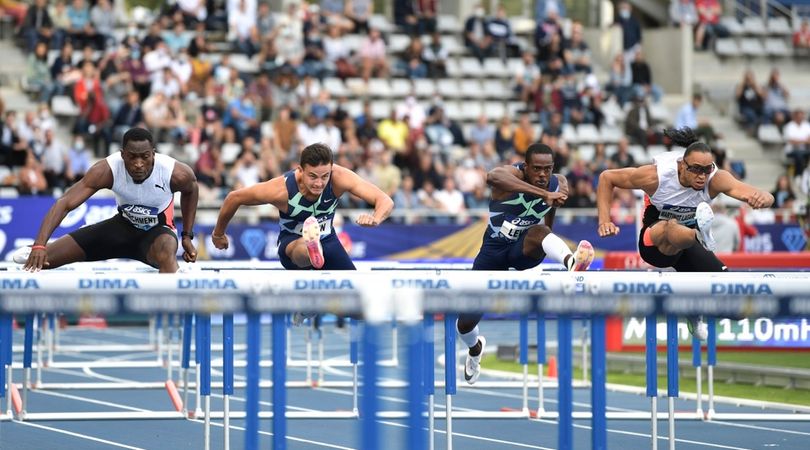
[
  {"x": 673, "y": 200},
  {"x": 147, "y": 204}
]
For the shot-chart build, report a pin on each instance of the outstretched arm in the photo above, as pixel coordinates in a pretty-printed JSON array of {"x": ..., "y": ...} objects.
[
  {"x": 347, "y": 181},
  {"x": 724, "y": 182},
  {"x": 98, "y": 177},
  {"x": 644, "y": 177},
  {"x": 184, "y": 181},
  {"x": 273, "y": 192},
  {"x": 509, "y": 179}
]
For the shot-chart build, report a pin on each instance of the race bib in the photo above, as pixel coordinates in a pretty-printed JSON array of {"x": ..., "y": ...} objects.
[
  {"x": 685, "y": 215},
  {"x": 326, "y": 227},
  {"x": 142, "y": 217},
  {"x": 512, "y": 231}
]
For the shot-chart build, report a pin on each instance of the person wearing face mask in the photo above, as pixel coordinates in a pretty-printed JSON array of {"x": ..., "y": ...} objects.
[
  {"x": 677, "y": 222},
  {"x": 631, "y": 33},
  {"x": 79, "y": 158},
  {"x": 476, "y": 38}
]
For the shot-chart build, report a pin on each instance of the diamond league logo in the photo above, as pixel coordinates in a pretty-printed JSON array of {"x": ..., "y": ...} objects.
[
  {"x": 794, "y": 239},
  {"x": 254, "y": 241}
]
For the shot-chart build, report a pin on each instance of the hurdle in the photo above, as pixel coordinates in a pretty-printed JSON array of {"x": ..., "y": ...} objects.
[{"x": 560, "y": 294}]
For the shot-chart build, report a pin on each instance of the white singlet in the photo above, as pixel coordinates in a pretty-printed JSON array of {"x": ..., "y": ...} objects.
[
  {"x": 145, "y": 204},
  {"x": 672, "y": 199}
]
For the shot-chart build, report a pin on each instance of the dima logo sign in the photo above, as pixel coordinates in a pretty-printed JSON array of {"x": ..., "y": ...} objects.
[
  {"x": 741, "y": 289},
  {"x": 213, "y": 283},
  {"x": 17, "y": 283},
  {"x": 323, "y": 284},
  {"x": 642, "y": 288},
  {"x": 516, "y": 285},
  {"x": 88, "y": 283}
]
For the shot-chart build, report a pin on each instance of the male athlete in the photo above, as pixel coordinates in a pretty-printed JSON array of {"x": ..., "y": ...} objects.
[
  {"x": 523, "y": 195},
  {"x": 144, "y": 184},
  {"x": 677, "y": 225},
  {"x": 306, "y": 198}
]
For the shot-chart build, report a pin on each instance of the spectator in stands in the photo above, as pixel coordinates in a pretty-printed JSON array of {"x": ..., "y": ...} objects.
[
  {"x": 797, "y": 135},
  {"x": 405, "y": 17},
  {"x": 284, "y": 130},
  {"x": 332, "y": 11},
  {"x": 153, "y": 36},
  {"x": 469, "y": 178},
  {"x": 210, "y": 172},
  {"x": 193, "y": 11},
  {"x": 503, "y": 39},
  {"x": 311, "y": 131},
  {"x": 709, "y": 27},
  {"x": 527, "y": 81},
  {"x": 599, "y": 162},
  {"x": 450, "y": 200},
  {"x": 544, "y": 32},
  {"x": 405, "y": 197},
  {"x": 750, "y": 102},
  {"x": 242, "y": 25},
  {"x": 688, "y": 117},
  {"x": 427, "y": 171},
  {"x": 386, "y": 175},
  {"x": 783, "y": 196},
  {"x": 411, "y": 62},
  {"x": 129, "y": 115},
  {"x": 337, "y": 55},
  {"x": 572, "y": 107},
  {"x": 488, "y": 159},
  {"x": 426, "y": 13},
  {"x": 79, "y": 159},
  {"x": 81, "y": 29},
  {"x": 622, "y": 158},
  {"x": 620, "y": 81},
  {"x": 631, "y": 33},
  {"x": 801, "y": 38},
  {"x": 178, "y": 39},
  {"x": 583, "y": 195},
  {"x": 683, "y": 12},
  {"x": 804, "y": 187},
  {"x": 37, "y": 25},
  {"x": 393, "y": 132},
  {"x": 505, "y": 137},
  {"x": 482, "y": 132},
  {"x": 641, "y": 75},
  {"x": 93, "y": 110},
  {"x": 13, "y": 149},
  {"x": 476, "y": 38},
  {"x": 623, "y": 207},
  {"x": 576, "y": 53},
  {"x": 102, "y": 18},
  {"x": 435, "y": 56},
  {"x": 138, "y": 75},
  {"x": 373, "y": 56},
  {"x": 38, "y": 74},
  {"x": 61, "y": 22},
  {"x": 359, "y": 12},
  {"x": 427, "y": 196},
  {"x": 524, "y": 135},
  {"x": 414, "y": 112},
  {"x": 314, "y": 53},
  {"x": 55, "y": 162},
  {"x": 724, "y": 228},
  {"x": 31, "y": 177},
  {"x": 544, "y": 8},
  {"x": 246, "y": 170},
  {"x": 776, "y": 107},
  {"x": 639, "y": 124}
]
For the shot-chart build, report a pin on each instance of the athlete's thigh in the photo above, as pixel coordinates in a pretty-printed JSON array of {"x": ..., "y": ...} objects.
[
  {"x": 650, "y": 253},
  {"x": 698, "y": 259},
  {"x": 518, "y": 259},
  {"x": 283, "y": 243},
  {"x": 492, "y": 257},
  {"x": 111, "y": 238},
  {"x": 335, "y": 256},
  {"x": 156, "y": 244},
  {"x": 63, "y": 251}
]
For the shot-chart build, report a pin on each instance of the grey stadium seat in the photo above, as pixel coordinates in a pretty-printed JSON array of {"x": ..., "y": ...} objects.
[
  {"x": 732, "y": 25},
  {"x": 471, "y": 88},
  {"x": 754, "y": 26},
  {"x": 448, "y": 88},
  {"x": 727, "y": 47},
  {"x": 776, "y": 47},
  {"x": 752, "y": 47},
  {"x": 779, "y": 26},
  {"x": 769, "y": 134}
]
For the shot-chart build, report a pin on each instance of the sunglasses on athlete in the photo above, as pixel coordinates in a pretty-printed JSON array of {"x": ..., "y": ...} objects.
[{"x": 697, "y": 169}]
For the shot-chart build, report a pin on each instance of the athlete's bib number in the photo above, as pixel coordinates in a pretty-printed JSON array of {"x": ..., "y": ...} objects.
[
  {"x": 326, "y": 227},
  {"x": 685, "y": 215},
  {"x": 142, "y": 217},
  {"x": 511, "y": 231}
]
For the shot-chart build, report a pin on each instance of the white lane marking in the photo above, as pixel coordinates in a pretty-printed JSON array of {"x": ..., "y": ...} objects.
[
  {"x": 78, "y": 435},
  {"x": 90, "y": 400},
  {"x": 758, "y": 427}
]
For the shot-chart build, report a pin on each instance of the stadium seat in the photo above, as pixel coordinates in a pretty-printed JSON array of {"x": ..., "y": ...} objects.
[
  {"x": 453, "y": 69},
  {"x": 335, "y": 87},
  {"x": 779, "y": 26},
  {"x": 495, "y": 68},
  {"x": 452, "y": 45},
  {"x": 588, "y": 133},
  {"x": 639, "y": 154},
  {"x": 62, "y": 105},
  {"x": 381, "y": 23},
  {"x": 380, "y": 109},
  {"x": 353, "y": 107},
  {"x": 752, "y": 47},
  {"x": 732, "y": 25},
  {"x": 397, "y": 43},
  {"x": 470, "y": 67},
  {"x": 471, "y": 88},
  {"x": 655, "y": 150},
  {"x": 243, "y": 64},
  {"x": 776, "y": 47},
  {"x": 230, "y": 151},
  {"x": 514, "y": 109},
  {"x": 401, "y": 88},
  {"x": 754, "y": 26},
  {"x": 452, "y": 110},
  {"x": 586, "y": 152},
  {"x": 448, "y": 24},
  {"x": 471, "y": 110},
  {"x": 424, "y": 87},
  {"x": 610, "y": 134},
  {"x": 569, "y": 134},
  {"x": 727, "y": 47},
  {"x": 769, "y": 134},
  {"x": 496, "y": 89},
  {"x": 448, "y": 88}
]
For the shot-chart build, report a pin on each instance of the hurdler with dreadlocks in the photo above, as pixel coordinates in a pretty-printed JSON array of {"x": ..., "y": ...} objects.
[{"x": 679, "y": 185}]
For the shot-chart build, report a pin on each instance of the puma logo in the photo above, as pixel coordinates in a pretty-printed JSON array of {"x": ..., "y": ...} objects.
[{"x": 160, "y": 187}]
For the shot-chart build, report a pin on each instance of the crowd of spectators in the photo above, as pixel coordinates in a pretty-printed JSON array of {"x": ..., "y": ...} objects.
[{"x": 238, "y": 127}]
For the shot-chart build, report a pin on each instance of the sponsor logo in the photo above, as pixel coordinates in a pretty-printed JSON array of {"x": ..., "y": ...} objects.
[
  {"x": 18, "y": 283},
  {"x": 254, "y": 240},
  {"x": 6, "y": 214},
  {"x": 522, "y": 222},
  {"x": 741, "y": 289},
  {"x": 323, "y": 284},
  {"x": 420, "y": 283},
  {"x": 213, "y": 283},
  {"x": 642, "y": 288},
  {"x": 105, "y": 283},
  {"x": 139, "y": 210},
  {"x": 160, "y": 187},
  {"x": 516, "y": 285}
]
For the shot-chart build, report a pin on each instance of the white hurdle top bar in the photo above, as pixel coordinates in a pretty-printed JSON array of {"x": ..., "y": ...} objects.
[{"x": 620, "y": 293}]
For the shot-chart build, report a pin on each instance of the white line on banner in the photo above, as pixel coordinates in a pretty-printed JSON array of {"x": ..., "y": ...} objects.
[{"x": 81, "y": 436}]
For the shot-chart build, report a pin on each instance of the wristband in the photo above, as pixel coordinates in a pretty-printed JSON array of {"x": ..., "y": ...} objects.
[{"x": 37, "y": 247}]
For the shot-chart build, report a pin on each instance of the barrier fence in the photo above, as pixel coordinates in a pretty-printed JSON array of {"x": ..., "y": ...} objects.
[{"x": 411, "y": 298}]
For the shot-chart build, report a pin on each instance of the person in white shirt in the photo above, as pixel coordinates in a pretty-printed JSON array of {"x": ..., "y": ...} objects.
[{"x": 797, "y": 135}]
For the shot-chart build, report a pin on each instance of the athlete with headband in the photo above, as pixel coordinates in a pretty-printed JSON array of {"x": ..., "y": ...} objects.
[
  {"x": 144, "y": 184},
  {"x": 306, "y": 198},
  {"x": 523, "y": 196},
  {"x": 676, "y": 228}
]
